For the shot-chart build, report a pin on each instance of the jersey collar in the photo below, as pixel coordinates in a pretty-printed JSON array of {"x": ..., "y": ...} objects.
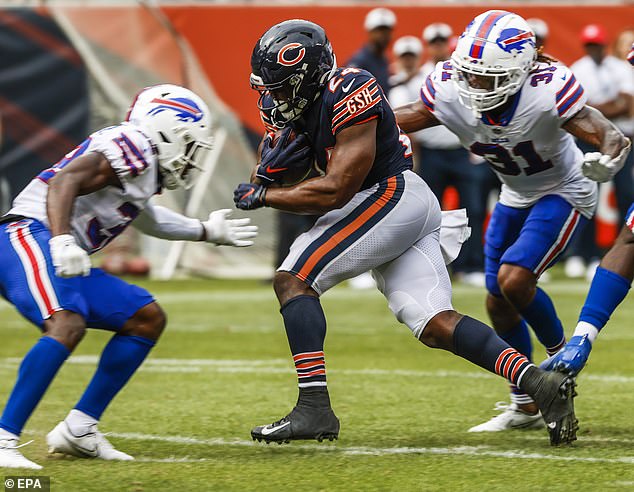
[{"x": 505, "y": 117}]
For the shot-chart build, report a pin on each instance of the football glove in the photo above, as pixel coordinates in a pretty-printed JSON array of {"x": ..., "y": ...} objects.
[
  {"x": 249, "y": 196},
  {"x": 69, "y": 259},
  {"x": 284, "y": 156},
  {"x": 601, "y": 167},
  {"x": 221, "y": 230}
]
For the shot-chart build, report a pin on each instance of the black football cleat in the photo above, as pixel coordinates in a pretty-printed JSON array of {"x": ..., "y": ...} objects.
[
  {"x": 554, "y": 394},
  {"x": 301, "y": 423},
  {"x": 312, "y": 418}
]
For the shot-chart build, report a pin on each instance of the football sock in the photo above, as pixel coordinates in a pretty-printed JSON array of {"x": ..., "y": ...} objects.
[
  {"x": 37, "y": 370},
  {"x": 79, "y": 423},
  {"x": 305, "y": 325},
  {"x": 121, "y": 357},
  {"x": 476, "y": 342},
  {"x": 520, "y": 339},
  {"x": 542, "y": 317},
  {"x": 607, "y": 291}
]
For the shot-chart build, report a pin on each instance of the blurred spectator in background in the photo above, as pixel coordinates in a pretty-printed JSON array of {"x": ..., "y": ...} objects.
[
  {"x": 407, "y": 79},
  {"x": 540, "y": 28},
  {"x": 379, "y": 24},
  {"x": 444, "y": 162},
  {"x": 609, "y": 85},
  {"x": 623, "y": 44},
  {"x": 407, "y": 53}
]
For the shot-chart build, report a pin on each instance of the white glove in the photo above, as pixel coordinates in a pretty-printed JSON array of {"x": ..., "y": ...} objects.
[
  {"x": 601, "y": 167},
  {"x": 69, "y": 259},
  {"x": 232, "y": 232}
]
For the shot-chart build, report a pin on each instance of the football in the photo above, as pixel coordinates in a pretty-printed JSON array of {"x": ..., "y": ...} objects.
[{"x": 298, "y": 170}]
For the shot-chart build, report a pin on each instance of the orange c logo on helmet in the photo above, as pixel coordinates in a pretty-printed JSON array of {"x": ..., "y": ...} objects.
[{"x": 282, "y": 60}]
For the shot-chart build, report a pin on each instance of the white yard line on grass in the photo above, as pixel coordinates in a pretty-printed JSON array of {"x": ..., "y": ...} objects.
[
  {"x": 477, "y": 451},
  {"x": 282, "y": 366}
]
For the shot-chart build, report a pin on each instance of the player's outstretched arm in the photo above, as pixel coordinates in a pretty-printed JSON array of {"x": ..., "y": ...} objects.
[
  {"x": 218, "y": 229},
  {"x": 595, "y": 129},
  {"x": 83, "y": 175},
  {"x": 414, "y": 116},
  {"x": 349, "y": 164}
]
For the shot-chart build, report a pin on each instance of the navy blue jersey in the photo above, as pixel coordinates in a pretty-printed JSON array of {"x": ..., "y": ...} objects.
[{"x": 352, "y": 97}]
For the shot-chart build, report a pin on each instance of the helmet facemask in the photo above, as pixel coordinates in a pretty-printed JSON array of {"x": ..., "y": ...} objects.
[
  {"x": 287, "y": 96},
  {"x": 180, "y": 161},
  {"x": 483, "y": 90}
]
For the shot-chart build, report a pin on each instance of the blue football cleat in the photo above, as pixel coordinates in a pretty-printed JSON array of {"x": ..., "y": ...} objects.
[{"x": 572, "y": 358}]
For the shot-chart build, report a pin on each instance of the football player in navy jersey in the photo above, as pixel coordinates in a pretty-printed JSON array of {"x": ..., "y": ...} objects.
[{"x": 376, "y": 214}]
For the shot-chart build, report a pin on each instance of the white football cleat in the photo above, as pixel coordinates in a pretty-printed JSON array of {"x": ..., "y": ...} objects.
[
  {"x": 91, "y": 445},
  {"x": 10, "y": 457},
  {"x": 511, "y": 418}
]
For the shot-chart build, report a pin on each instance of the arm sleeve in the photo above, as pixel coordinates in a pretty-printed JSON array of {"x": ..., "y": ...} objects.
[
  {"x": 428, "y": 93},
  {"x": 361, "y": 103},
  {"x": 130, "y": 153},
  {"x": 569, "y": 96},
  {"x": 164, "y": 223}
]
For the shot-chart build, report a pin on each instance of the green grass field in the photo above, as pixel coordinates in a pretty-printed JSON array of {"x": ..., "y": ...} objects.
[{"x": 223, "y": 366}]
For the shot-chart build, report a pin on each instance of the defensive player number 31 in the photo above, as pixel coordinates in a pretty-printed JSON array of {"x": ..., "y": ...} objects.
[{"x": 502, "y": 162}]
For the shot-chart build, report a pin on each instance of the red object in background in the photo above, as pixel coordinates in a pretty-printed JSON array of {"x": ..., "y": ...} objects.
[
  {"x": 593, "y": 34},
  {"x": 137, "y": 266}
]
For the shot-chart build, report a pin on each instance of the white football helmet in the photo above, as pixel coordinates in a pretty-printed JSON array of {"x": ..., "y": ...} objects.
[
  {"x": 492, "y": 59},
  {"x": 179, "y": 123}
]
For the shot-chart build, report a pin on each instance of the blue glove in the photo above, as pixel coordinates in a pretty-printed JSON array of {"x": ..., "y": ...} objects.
[
  {"x": 285, "y": 156},
  {"x": 572, "y": 358},
  {"x": 249, "y": 196}
]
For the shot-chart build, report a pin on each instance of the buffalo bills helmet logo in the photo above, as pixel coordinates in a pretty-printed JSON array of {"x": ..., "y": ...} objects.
[
  {"x": 513, "y": 39},
  {"x": 186, "y": 109},
  {"x": 287, "y": 59}
]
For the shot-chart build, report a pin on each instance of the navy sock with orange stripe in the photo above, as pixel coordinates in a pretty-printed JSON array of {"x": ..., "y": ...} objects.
[
  {"x": 305, "y": 325},
  {"x": 542, "y": 317},
  {"x": 476, "y": 342}
]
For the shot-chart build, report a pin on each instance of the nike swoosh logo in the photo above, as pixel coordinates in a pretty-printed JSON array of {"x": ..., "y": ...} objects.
[
  {"x": 250, "y": 192},
  {"x": 346, "y": 88},
  {"x": 270, "y": 430},
  {"x": 271, "y": 170},
  {"x": 564, "y": 77},
  {"x": 552, "y": 425}
]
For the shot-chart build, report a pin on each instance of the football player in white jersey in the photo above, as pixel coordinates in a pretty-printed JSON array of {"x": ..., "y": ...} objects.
[
  {"x": 520, "y": 111},
  {"x": 74, "y": 209}
]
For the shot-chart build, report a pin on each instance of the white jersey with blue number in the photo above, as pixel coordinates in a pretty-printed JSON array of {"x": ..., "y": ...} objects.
[
  {"x": 99, "y": 217},
  {"x": 526, "y": 146}
]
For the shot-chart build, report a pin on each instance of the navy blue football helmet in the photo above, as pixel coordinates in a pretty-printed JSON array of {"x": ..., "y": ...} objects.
[{"x": 290, "y": 65}]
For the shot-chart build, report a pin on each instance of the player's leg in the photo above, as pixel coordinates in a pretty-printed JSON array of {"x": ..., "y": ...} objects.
[
  {"x": 418, "y": 290},
  {"x": 138, "y": 322},
  {"x": 610, "y": 285},
  {"x": 504, "y": 228},
  {"x": 28, "y": 282},
  {"x": 550, "y": 226},
  {"x": 305, "y": 324},
  {"x": 374, "y": 227}
]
